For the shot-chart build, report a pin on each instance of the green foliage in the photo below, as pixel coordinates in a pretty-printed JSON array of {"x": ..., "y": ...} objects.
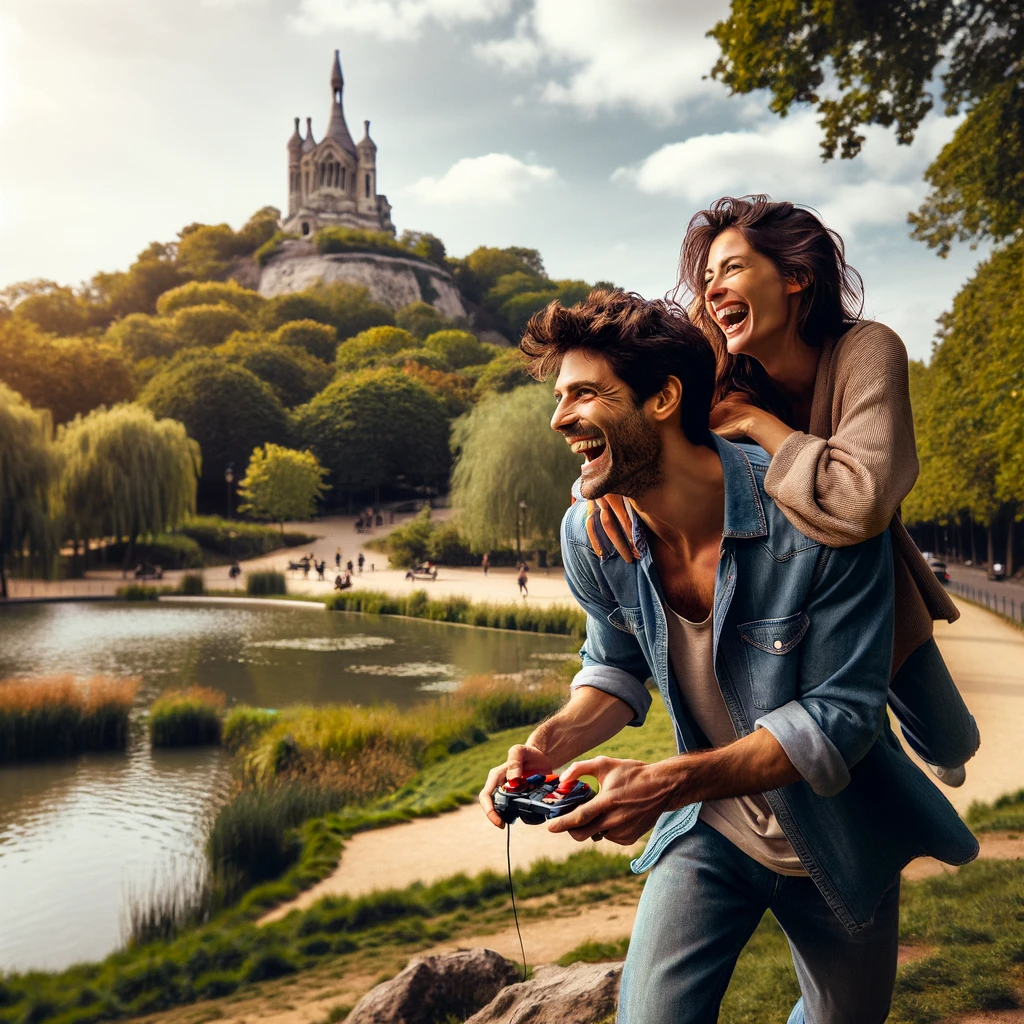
[
  {"x": 54, "y": 309},
  {"x": 424, "y": 244},
  {"x": 319, "y": 340},
  {"x": 206, "y": 250},
  {"x": 227, "y": 409},
  {"x": 459, "y": 348},
  {"x": 210, "y": 293},
  {"x": 140, "y": 336},
  {"x": 503, "y": 373},
  {"x": 595, "y": 953},
  {"x": 186, "y": 718},
  {"x": 351, "y": 309},
  {"x": 878, "y": 61},
  {"x": 282, "y": 309},
  {"x": 192, "y": 584},
  {"x": 58, "y": 717},
  {"x": 368, "y": 346},
  {"x": 234, "y": 538},
  {"x": 168, "y": 550},
  {"x": 441, "y": 543},
  {"x": 28, "y": 468},
  {"x": 338, "y": 239},
  {"x": 207, "y": 326},
  {"x": 294, "y": 375},
  {"x": 509, "y": 454},
  {"x": 139, "y": 592},
  {"x": 68, "y": 376},
  {"x": 1004, "y": 814},
  {"x": 376, "y": 427},
  {"x": 281, "y": 483},
  {"x": 421, "y": 319},
  {"x": 265, "y": 584},
  {"x": 271, "y": 247},
  {"x": 124, "y": 473},
  {"x": 243, "y": 725}
]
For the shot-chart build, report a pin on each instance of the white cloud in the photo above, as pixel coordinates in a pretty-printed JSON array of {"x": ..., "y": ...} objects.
[
  {"x": 647, "y": 54},
  {"x": 496, "y": 178},
  {"x": 393, "y": 19},
  {"x": 782, "y": 158}
]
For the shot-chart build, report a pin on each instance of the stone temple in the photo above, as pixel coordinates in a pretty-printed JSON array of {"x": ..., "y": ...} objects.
[{"x": 334, "y": 181}]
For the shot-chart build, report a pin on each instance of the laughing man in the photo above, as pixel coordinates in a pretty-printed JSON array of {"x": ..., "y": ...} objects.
[{"x": 772, "y": 655}]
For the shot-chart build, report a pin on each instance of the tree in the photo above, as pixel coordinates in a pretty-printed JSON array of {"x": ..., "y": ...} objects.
[
  {"x": 281, "y": 483},
  {"x": 421, "y": 319},
  {"x": 206, "y": 250},
  {"x": 51, "y": 307},
  {"x": 226, "y": 408},
  {"x": 863, "y": 64},
  {"x": 293, "y": 306},
  {"x": 210, "y": 293},
  {"x": 136, "y": 290},
  {"x": 377, "y": 428},
  {"x": 125, "y": 473},
  {"x": 294, "y": 375},
  {"x": 320, "y": 340},
  {"x": 207, "y": 325},
  {"x": 508, "y": 454},
  {"x": 460, "y": 348},
  {"x": 140, "y": 336},
  {"x": 27, "y": 471},
  {"x": 367, "y": 347},
  {"x": 504, "y": 372},
  {"x": 68, "y": 376}
]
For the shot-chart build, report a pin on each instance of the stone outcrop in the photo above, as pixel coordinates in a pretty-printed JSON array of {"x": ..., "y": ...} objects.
[
  {"x": 394, "y": 281},
  {"x": 579, "y": 994},
  {"x": 432, "y": 987}
]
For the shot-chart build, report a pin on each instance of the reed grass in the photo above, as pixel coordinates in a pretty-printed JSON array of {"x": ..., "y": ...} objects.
[
  {"x": 192, "y": 584},
  {"x": 184, "y": 898},
  {"x": 562, "y": 620},
  {"x": 264, "y": 584},
  {"x": 187, "y": 718},
  {"x": 141, "y": 592},
  {"x": 60, "y": 716}
]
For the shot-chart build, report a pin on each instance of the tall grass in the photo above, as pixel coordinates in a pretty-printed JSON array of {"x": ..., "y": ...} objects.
[
  {"x": 192, "y": 584},
  {"x": 261, "y": 584},
  {"x": 187, "y": 718},
  {"x": 141, "y": 592},
  {"x": 58, "y": 716},
  {"x": 168, "y": 905},
  {"x": 562, "y": 620}
]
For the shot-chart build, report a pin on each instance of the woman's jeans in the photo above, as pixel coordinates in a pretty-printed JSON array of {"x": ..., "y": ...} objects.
[
  {"x": 700, "y": 905},
  {"x": 931, "y": 712}
]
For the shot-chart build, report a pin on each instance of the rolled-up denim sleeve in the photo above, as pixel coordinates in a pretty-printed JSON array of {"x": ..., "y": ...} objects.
[
  {"x": 844, "y": 670},
  {"x": 611, "y": 657}
]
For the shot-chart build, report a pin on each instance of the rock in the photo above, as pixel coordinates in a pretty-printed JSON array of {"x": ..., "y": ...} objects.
[
  {"x": 578, "y": 994},
  {"x": 432, "y": 987}
]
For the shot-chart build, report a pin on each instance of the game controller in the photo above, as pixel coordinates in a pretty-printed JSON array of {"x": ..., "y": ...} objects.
[{"x": 538, "y": 798}]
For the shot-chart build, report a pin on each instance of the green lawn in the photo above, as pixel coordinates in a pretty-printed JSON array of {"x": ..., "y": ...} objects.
[{"x": 1004, "y": 815}]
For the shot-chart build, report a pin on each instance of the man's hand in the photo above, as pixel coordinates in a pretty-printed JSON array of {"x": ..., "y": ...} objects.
[
  {"x": 632, "y": 797},
  {"x": 522, "y": 760}
]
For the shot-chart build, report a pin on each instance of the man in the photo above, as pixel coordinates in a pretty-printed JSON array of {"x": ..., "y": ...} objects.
[{"x": 772, "y": 654}]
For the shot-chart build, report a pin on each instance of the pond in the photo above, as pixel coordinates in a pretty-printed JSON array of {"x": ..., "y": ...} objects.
[{"x": 76, "y": 836}]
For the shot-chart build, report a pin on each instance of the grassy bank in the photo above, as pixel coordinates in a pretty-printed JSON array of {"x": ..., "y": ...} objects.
[
  {"x": 187, "y": 718},
  {"x": 59, "y": 716},
  {"x": 1003, "y": 815},
  {"x": 563, "y": 620}
]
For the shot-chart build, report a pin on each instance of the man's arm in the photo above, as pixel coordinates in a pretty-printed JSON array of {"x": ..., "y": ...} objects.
[{"x": 591, "y": 717}]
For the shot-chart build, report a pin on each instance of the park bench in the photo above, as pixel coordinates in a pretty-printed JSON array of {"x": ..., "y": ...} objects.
[{"x": 422, "y": 572}]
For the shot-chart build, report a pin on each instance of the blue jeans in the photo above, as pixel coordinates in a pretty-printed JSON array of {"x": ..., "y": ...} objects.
[
  {"x": 702, "y": 902},
  {"x": 932, "y": 714}
]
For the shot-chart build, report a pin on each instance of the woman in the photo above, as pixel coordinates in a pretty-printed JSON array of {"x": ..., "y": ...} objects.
[{"x": 826, "y": 394}]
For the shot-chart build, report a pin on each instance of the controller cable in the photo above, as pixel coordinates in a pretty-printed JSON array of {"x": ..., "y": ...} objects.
[{"x": 512, "y": 892}]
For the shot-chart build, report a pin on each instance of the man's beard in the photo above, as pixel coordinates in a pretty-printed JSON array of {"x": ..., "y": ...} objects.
[{"x": 635, "y": 449}]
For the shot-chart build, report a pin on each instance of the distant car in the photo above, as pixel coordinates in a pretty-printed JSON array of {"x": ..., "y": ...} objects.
[
  {"x": 939, "y": 568},
  {"x": 996, "y": 571}
]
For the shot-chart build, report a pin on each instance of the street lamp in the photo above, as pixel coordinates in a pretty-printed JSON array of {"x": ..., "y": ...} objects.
[
  {"x": 229, "y": 479},
  {"x": 519, "y": 516}
]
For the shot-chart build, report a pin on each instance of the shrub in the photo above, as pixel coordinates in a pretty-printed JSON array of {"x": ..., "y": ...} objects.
[
  {"x": 168, "y": 550},
  {"x": 192, "y": 584},
  {"x": 503, "y": 373},
  {"x": 56, "y": 716},
  {"x": 337, "y": 239},
  {"x": 421, "y": 319},
  {"x": 209, "y": 293},
  {"x": 422, "y": 539},
  {"x": 139, "y": 592},
  {"x": 213, "y": 533},
  {"x": 207, "y": 326},
  {"x": 186, "y": 718},
  {"x": 319, "y": 340},
  {"x": 294, "y": 375},
  {"x": 242, "y": 725},
  {"x": 143, "y": 337},
  {"x": 365, "y": 348},
  {"x": 262, "y": 584},
  {"x": 293, "y": 306},
  {"x": 271, "y": 247},
  {"x": 460, "y": 348}
]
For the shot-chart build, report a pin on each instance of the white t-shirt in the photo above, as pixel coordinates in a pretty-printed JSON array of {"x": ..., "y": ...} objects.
[{"x": 746, "y": 821}]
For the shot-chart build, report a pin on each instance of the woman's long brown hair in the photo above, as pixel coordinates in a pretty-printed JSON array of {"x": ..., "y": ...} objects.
[{"x": 803, "y": 250}]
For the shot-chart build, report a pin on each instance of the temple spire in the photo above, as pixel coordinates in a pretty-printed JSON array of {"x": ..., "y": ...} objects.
[{"x": 336, "y": 128}]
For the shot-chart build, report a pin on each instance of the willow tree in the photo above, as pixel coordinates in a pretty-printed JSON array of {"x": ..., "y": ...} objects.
[
  {"x": 508, "y": 458},
  {"x": 125, "y": 473},
  {"x": 27, "y": 469}
]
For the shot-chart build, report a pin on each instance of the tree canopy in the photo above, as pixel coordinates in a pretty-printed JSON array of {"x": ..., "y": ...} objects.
[
  {"x": 377, "y": 427},
  {"x": 281, "y": 483},
  {"x": 294, "y": 375},
  {"x": 873, "y": 63},
  {"x": 369, "y": 346},
  {"x": 225, "y": 407},
  {"x": 507, "y": 454}
]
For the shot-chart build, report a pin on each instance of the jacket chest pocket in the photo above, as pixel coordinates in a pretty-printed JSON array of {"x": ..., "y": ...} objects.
[
  {"x": 773, "y": 660},
  {"x": 629, "y": 620}
]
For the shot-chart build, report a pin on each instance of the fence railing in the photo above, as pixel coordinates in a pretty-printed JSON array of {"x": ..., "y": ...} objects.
[{"x": 1009, "y": 608}]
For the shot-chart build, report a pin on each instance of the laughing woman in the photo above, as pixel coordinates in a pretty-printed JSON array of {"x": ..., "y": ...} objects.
[{"x": 826, "y": 394}]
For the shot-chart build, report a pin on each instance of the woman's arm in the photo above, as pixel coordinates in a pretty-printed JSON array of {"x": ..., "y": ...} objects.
[{"x": 846, "y": 488}]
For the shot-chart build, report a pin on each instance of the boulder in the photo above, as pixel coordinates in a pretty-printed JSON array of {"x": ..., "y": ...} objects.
[
  {"x": 578, "y": 994},
  {"x": 432, "y": 987}
]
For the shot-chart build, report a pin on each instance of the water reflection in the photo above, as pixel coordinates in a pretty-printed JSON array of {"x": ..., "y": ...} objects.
[{"x": 75, "y": 835}]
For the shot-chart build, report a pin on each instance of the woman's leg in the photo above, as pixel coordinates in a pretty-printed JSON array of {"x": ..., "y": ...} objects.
[{"x": 931, "y": 712}]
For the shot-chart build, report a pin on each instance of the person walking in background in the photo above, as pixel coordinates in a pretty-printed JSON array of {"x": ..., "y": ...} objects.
[
  {"x": 349, "y": 566},
  {"x": 361, "y": 559},
  {"x": 522, "y": 580},
  {"x": 486, "y": 562},
  {"x": 337, "y": 559}
]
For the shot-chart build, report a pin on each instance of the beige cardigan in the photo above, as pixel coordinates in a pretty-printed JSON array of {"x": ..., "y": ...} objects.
[{"x": 844, "y": 480}]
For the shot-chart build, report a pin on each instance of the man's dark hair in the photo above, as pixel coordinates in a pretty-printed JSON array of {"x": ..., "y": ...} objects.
[{"x": 645, "y": 341}]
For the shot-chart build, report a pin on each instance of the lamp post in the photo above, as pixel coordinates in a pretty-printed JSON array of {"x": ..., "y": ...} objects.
[
  {"x": 519, "y": 515},
  {"x": 229, "y": 479}
]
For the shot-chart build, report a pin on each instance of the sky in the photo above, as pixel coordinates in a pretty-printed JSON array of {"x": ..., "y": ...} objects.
[{"x": 587, "y": 129}]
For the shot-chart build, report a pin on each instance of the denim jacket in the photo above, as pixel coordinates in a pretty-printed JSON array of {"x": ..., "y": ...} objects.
[{"x": 802, "y": 648}]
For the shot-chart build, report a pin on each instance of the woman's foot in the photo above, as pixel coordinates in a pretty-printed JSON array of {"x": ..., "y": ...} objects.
[{"x": 953, "y": 777}]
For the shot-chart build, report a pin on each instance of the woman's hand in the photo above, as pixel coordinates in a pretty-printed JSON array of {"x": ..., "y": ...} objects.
[
  {"x": 736, "y": 418},
  {"x": 610, "y": 511}
]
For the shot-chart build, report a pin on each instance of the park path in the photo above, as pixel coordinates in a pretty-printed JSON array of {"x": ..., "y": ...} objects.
[{"x": 984, "y": 655}]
